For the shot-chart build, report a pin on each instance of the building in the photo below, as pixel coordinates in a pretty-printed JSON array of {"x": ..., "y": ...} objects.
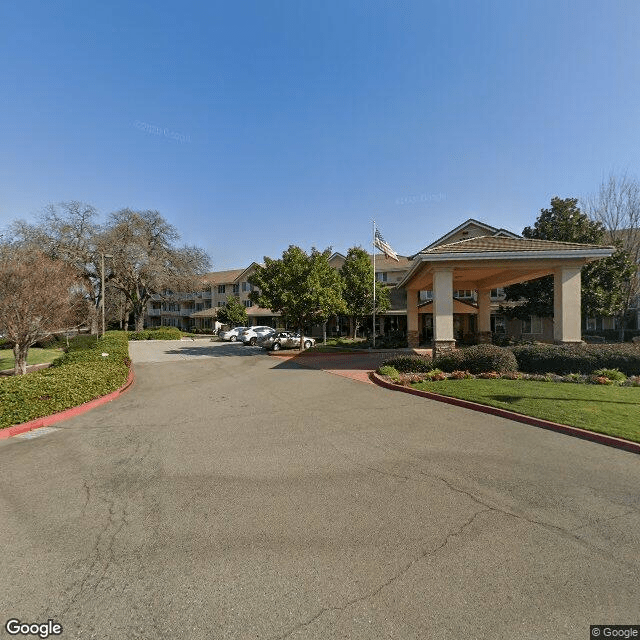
[{"x": 469, "y": 266}]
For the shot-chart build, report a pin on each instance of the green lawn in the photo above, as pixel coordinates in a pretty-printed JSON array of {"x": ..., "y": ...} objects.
[
  {"x": 35, "y": 356},
  {"x": 605, "y": 409}
]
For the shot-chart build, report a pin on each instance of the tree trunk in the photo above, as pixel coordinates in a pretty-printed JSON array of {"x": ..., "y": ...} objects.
[
  {"x": 352, "y": 327},
  {"x": 324, "y": 332},
  {"x": 94, "y": 324},
  {"x": 357, "y": 326},
  {"x": 20, "y": 354},
  {"x": 139, "y": 321}
]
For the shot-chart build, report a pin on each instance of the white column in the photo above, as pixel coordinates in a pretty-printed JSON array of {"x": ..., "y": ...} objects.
[
  {"x": 566, "y": 305},
  {"x": 443, "y": 305}
]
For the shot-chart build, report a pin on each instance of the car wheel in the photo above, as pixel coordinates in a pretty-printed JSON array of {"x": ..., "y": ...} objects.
[
  {"x": 252, "y": 342},
  {"x": 307, "y": 344},
  {"x": 232, "y": 339},
  {"x": 276, "y": 346}
]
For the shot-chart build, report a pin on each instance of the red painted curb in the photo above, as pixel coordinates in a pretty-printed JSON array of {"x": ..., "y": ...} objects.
[
  {"x": 45, "y": 421},
  {"x": 600, "y": 438}
]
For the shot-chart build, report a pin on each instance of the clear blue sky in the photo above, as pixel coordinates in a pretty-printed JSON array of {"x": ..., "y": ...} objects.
[{"x": 257, "y": 124}]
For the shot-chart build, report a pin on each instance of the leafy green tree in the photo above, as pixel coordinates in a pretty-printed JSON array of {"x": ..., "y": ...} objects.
[
  {"x": 357, "y": 273},
  {"x": 303, "y": 287},
  {"x": 233, "y": 313},
  {"x": 603, "y": 281}
]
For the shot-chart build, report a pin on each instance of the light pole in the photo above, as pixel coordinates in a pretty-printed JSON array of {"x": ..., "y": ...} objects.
[{"x": 104, "y": 255}]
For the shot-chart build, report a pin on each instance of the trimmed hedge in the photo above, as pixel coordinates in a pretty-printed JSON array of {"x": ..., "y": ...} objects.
[
  {"x": 408, "y": 364},
  {"x": 164, "y": 333},
  {"x": 480, "y": 358},
  {"x": 583, "y": 358},
  {"x": 79, "y": 376}
]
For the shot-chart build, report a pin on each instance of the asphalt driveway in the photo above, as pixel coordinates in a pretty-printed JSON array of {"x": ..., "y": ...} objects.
[{"x": 231, "y": 494}]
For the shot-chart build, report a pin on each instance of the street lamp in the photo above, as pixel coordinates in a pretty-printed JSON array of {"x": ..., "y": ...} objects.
[{"x": 104, "y": 255}]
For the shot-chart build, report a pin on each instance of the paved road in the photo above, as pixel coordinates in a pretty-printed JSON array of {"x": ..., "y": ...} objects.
[{"x": 234, "y": 495}]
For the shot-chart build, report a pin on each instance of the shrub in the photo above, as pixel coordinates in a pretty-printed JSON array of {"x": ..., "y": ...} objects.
[
  {"x": 390, "y": 372},
  {"x": 612, "y": 374},
  {"x": 460, "y": 375},
  {"x": 585, "y": 359},
  {"x": 481, "y": 358},
  {"x": 161, "y": 333},
  {"x": 80, "y": 375},
  {"x": 406, "y": 364}
]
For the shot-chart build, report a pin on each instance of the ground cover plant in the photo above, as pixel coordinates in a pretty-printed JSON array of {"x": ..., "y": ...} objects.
[{"x": 80, "y": 375}]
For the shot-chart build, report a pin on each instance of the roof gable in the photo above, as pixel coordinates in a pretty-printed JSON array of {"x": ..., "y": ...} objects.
[{"x": 470, "y": 228}]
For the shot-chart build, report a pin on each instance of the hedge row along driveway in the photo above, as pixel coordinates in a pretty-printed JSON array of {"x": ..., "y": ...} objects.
[{"x": 81, "y": 375}]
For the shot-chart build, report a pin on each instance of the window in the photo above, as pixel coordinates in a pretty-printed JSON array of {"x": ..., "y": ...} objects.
[
  {"x": 221, "y": 303},
  {"x": 591, "y": 324},
  {"x": 497, "y": 293},
  {"x": 497, "y": 324},
  {"x": 426, "y": 295},
  {"x": 222, "y": 288},
  {"x": 248, "y": 303},
  {"x": 381, "y": 276},
  {"x": 236, "y": 288},
  {"x": 463, "y": 293},
  {"x": 246, "y": 286},
  {"x": 532, "y": 324}
]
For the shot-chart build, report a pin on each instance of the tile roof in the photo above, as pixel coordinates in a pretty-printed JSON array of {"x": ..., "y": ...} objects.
[{"x": 494, "y": 244}]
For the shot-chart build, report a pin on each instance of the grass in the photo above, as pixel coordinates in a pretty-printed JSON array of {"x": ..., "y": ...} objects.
[
  {"x": 611, "y": 410},
  {"x": 35, "y": 356}
]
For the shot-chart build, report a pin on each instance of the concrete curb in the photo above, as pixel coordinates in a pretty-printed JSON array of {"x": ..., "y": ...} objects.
[
  {"x": 45, "y": 421},
  {"x": 592, "y": 436}
]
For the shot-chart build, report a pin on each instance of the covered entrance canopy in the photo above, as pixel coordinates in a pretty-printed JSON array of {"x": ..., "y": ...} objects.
[{"x": 488, "y": 262}]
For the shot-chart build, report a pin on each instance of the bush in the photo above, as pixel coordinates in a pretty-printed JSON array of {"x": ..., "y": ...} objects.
[
  {"x": 161, "y": 333},
  {"x": 481, "y": 358},
  {"x": 390, "y": 372},
  {"x": 611, "y": 374},
  {"x": 412, "y": 364},
  {"x": 80, "y": 375},
  {"x": 585, "y": 359}
]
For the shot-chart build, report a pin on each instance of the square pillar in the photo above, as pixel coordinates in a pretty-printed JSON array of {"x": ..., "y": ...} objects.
[
  {"x": 484, "y": 316},
  {"x": 443, "y": 339},
  {"x": 567, "y": 305},
  {"x": 413, "y": 338}
]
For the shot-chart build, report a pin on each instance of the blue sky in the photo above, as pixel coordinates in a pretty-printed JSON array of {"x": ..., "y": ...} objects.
[{"x": 258, "y": 124}]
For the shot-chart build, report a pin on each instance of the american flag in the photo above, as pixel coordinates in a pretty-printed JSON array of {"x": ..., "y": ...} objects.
[{"x": 384, "y": 246}]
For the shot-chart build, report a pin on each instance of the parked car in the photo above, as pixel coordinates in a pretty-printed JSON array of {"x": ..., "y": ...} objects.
[
  {"x": 250, "y": 336},
  {"x": 284, "y": 340},
  {"x": 231, "y": 334}
]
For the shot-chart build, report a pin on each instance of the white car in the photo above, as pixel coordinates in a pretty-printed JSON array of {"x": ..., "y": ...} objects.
[
  {"x": 251, "y": 335},
  {"x": 231, "y": 334}
]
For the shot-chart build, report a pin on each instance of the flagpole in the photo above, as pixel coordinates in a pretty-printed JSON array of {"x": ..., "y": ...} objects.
[{"x": 373, "y": 249}]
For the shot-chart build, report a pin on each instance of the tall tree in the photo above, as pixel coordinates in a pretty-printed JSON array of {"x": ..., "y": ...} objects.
[
  {"x": 146, "y": 261},
  {"x": 603, "y": 282},
  {"x": 303, "y": 287},
  {"x": 617, "y": 206},
  {"x": 357, "y": 273},
  {"x": 70, "y": 231},
  {"x": 39, "y": 295},
  {"x": 233, "y": 313}
]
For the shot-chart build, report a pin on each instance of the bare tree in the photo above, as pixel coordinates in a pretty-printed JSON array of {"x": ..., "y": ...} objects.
[
  {"x": 69, "y": 231},
  {"x": 617, "y": 206},
  {"x": 146, "y": 261},
  {"x": 39, "y": 295}
]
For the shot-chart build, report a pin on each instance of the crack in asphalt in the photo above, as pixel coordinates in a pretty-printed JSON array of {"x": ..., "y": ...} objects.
[{"x": 426, "y": 553}]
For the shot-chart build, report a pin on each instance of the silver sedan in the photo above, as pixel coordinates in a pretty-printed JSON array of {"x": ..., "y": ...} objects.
[{"x": 284, "y": 340}]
